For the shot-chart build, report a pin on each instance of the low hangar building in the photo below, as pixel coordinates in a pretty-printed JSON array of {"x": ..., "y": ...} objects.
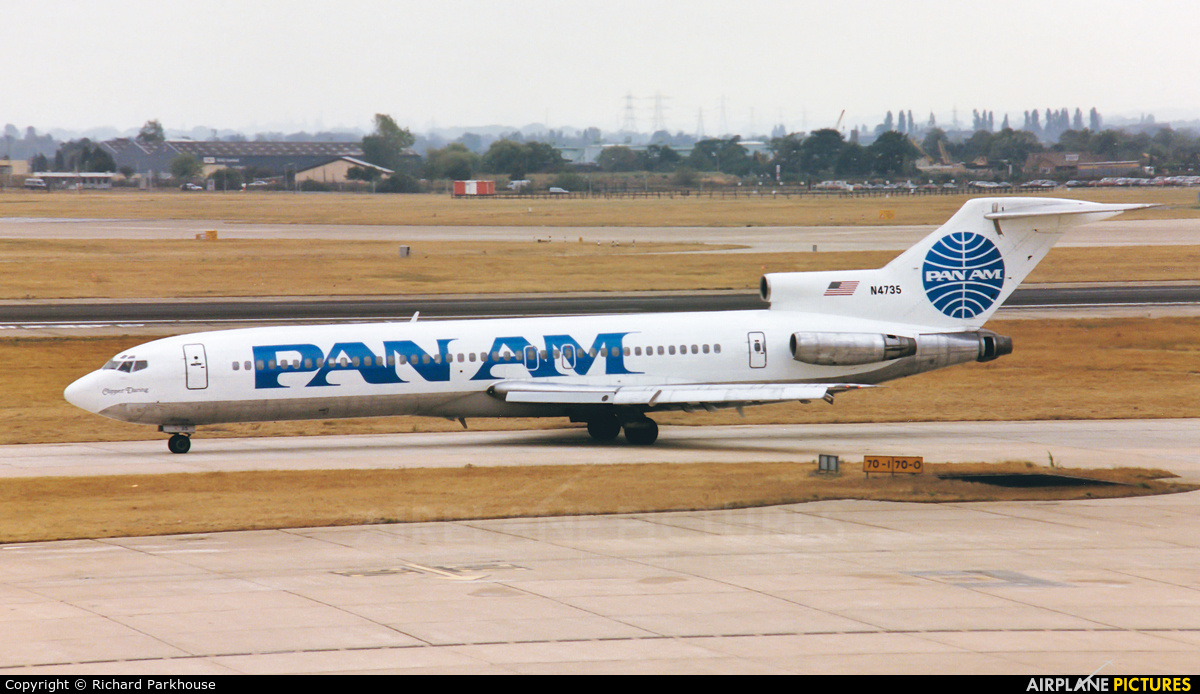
[{"x": 323, "y": 161}]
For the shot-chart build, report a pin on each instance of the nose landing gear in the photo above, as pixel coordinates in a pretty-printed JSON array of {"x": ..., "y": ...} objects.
[
  {"x": 181, "y": 437},
  {"x": 179, "y": 443}
]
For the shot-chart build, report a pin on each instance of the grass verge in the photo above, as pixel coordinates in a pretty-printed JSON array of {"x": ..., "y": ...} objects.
[
  {"x": 121, "y": 269},
  {"x": 44, "y": 509},
  {"x": 441, "y": 210}
]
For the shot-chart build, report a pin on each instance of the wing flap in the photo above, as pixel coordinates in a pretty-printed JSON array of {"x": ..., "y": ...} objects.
[{"x": 700, "y": 394}]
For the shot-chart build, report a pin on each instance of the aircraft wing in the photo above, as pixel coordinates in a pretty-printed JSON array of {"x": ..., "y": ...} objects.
[{"x": 668, "y": 396}]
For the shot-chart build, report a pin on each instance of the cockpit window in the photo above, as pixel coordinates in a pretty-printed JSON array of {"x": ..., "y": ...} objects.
[
  {"x": 125, "y": 366},
  {"x": 111, "y": 365},
  {"x": 139, "y": 364}
]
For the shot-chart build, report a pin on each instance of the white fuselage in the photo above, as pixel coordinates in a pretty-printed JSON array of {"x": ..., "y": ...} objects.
[{"x": 445, "y": 368}]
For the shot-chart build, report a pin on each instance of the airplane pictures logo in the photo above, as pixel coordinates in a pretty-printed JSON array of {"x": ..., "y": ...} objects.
[{"x": 963, "y": 274}]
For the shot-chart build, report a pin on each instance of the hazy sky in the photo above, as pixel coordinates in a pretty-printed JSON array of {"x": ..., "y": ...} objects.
[{"x": 288, "y": 65}]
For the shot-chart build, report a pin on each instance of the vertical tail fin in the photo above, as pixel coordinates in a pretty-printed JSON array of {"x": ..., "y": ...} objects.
[{"x": 956, "y": 277}]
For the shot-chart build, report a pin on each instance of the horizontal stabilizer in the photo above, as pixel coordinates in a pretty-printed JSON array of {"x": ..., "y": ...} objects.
[
  {"x": 682, "y": 394},
  {"x": 1064, "y": 208}
]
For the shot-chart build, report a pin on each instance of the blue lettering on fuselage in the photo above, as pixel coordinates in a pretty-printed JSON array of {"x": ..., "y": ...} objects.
[
  {"x": 608, "y": 343},
  {"x": 355, "y": 356},
  {"x": 614, "y": 360},
  {"x": 266, "y": 360},
  {"x": 382, "y": 369},
  {"x": 430, "y": 368}
]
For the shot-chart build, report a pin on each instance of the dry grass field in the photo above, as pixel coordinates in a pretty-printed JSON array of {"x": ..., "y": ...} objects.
[
  {"x": 41, "y": 509},
  {"x": 439, "y": 210},
  {"x": 57, "y": 269}
]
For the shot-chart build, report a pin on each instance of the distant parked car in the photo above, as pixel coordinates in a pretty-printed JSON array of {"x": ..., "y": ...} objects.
[
  {"x": 190, "y": 186},
  {"x": 35, "y": 184},
  {"x": 558, "y": 191},
  {"x": 258, "y": 184}
]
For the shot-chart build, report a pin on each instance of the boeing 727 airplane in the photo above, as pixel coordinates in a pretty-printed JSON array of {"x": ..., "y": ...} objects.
[{"x": 825, "y": 333}]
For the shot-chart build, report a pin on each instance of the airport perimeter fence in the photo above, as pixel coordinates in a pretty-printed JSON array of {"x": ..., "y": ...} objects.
[{"x": 752, "y": 193}]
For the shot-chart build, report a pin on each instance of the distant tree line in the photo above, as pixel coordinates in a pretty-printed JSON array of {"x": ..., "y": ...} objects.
[
  {"x": 891, "y": 151},
  {"x": 77, "y": 155}
]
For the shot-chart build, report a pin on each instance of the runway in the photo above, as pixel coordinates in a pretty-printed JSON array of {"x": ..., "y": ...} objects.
[
  {"x": 1038, "y": 588},
  {"x": 1168, "y": 232},
  {"x": 103, "y": 313}
]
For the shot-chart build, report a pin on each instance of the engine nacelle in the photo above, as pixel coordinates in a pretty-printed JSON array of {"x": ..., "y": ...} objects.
[
  {"x": 849, "y": 349},
  {"x": 932, "y": 350},
  {"x": 947, "y": 349}
]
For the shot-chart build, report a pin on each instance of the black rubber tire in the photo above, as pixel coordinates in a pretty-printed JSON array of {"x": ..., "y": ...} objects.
[
  {"x": 178, "y": 443},
  {"x": 604, "y": 428},
  {"x": 641, "y": 432}
]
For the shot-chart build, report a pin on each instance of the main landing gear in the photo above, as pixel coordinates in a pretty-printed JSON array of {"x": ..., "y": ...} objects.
[{"x": 639, "y": 432}]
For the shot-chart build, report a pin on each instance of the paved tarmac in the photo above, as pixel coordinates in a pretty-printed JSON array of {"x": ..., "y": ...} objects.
[
  {"x": 1173, "y": 444},
  {"x": 751, "y": 239},
  {"x": 1038, "y": 588}
]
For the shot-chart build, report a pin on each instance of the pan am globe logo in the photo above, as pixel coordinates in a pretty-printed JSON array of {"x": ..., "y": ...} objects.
[{"x": 963, "y": 274}]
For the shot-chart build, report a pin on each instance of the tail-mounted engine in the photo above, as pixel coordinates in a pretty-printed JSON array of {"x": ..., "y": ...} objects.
[
  {"x": 942, "y": 349},
  {"x": 848, "y": 349}
]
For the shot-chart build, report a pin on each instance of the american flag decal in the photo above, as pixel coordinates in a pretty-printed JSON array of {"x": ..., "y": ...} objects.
[{"x": 841, "y": 288}]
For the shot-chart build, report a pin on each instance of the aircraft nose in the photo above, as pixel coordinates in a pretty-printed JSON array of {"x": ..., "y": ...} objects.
[{"x": 84, "y": 393}]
